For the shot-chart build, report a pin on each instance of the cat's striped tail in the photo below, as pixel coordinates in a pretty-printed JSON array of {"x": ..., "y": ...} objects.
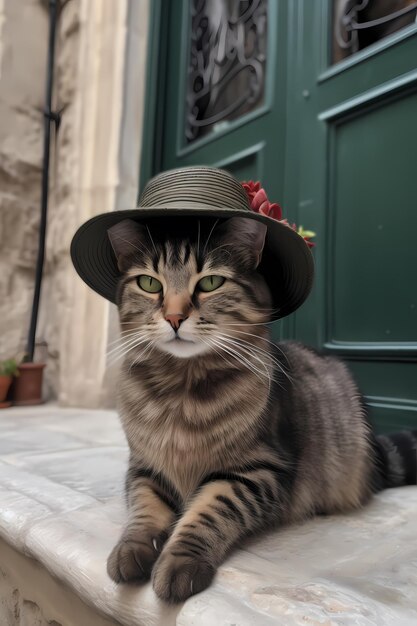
[{"x": 396, "y": 459}]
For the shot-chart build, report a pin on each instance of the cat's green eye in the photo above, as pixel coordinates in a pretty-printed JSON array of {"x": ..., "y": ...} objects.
[
  {"x": 210, "y": 283},
  {"x": 149, "y": 284}
]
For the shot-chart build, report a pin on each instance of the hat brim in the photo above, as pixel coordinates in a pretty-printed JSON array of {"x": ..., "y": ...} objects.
[{"x": 287, "y": 263}]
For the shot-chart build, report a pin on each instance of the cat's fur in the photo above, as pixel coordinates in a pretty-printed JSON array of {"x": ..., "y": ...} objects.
[{"x": 230, "y": 435}]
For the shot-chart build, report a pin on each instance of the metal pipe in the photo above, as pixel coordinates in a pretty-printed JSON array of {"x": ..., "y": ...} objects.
[{"x": 50, "y": 117}]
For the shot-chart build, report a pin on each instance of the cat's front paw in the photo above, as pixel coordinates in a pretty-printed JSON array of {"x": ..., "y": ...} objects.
[
  {"x": 175, "y": 578},
  {"x": 133, "y": 557}
]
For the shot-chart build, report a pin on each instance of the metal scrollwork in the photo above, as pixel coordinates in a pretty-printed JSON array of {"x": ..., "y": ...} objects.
[
  {"x": 359, "y": 23},
  {"x": 226, "y": 63}
]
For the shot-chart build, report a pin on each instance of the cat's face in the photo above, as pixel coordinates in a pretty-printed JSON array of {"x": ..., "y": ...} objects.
[{"x": 189, "y": 287}]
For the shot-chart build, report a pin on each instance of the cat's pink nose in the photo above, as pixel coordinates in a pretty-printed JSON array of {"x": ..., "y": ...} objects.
[{"x": 175, "y": 319}]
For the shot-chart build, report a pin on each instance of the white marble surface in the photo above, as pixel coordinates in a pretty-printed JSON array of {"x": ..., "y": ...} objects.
[{"x": 61, "y": 502}]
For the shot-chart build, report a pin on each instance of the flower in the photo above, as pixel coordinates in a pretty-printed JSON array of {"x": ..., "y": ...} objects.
[
  {"x": 258, "y": 202},
  {"x": 305, "y": 234}
]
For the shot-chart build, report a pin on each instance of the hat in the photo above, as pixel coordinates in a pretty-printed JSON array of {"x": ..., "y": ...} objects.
[{"x": 197, "y": 192}]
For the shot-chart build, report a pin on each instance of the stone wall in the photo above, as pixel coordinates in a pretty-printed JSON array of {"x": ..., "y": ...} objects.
[
  {"x": 23, "y": 41},
  {"x": 99, "y": 87},
  {"x": 63, "y": 180}
]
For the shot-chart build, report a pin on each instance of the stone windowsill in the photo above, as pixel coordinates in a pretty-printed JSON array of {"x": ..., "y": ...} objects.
[{"x": 61, "y": 503}]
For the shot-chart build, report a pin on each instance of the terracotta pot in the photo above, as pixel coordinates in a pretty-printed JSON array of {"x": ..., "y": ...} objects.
[
  {"x": 27, "y": 387},
  {"x": 5, "y": 382}
]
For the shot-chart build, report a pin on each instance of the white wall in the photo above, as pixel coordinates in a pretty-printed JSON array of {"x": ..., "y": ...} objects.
[{"x": 99, "y": 84}]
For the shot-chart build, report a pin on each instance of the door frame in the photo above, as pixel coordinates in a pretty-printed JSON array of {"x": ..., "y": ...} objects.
[{"x": 153, "y": 116}]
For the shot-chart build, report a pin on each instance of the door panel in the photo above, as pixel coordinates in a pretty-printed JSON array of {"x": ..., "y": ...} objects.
[
  {"x": 371, "y": 191},
  {"x": 359, "y": 133},
  {"x": 390, "y": 379},
  {"x": 246, "y": 165}
]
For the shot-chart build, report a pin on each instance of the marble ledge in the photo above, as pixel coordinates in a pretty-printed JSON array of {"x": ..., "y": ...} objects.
[{"x": 61, "y": 507}]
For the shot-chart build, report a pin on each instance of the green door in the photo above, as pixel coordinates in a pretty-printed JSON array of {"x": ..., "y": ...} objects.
[
  {"x": 356, "y": 186},
  {"x": 323, "y": 111}
]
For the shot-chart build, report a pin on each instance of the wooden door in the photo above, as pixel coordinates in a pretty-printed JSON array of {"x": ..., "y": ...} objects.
[{"x": 356, "y": 185}]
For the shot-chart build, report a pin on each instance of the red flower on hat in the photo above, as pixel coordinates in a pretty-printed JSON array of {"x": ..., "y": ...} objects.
[{"x": 258, "y": 202}]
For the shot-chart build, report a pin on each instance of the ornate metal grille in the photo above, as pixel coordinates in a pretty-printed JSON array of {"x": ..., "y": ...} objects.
[
  {"x": 227, "y": 61},
  {"x": 360, "y": 23}
]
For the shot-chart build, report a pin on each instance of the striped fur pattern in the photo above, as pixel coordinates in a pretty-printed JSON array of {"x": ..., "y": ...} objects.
[{"x": 229, "y": 434}]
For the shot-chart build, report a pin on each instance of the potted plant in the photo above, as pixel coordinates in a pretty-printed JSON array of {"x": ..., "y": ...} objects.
[
  {"x": 27, "y": 387},
  {"x": 8, "y": 369}
]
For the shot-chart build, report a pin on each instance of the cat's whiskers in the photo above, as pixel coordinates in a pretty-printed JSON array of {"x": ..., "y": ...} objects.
[
  {"x": 264, "y": 339},
  {"x": 242, "y": 360},
  {"x": 262, "y": 351},
  {"x": 143, "y": 325},
  {"x": 249, "y": 352},
  {"x": 242, "y": 332},
  {"x": 211, "y": 346},
  {"x": 238, "y": 357},
  {"x": 198, "y": 239},
  {"x": 119, "y": 352},
  {"x": 224, "y": 245},
  {"x": 141, "y": 328},
  {"x": 120, "y": 356},
  {"x": 248, "y": 323},
  {"x": 151, "y": 345},
  {"x": 151, "y": 238},
  {"x": 210, "y": 233},
  {"x": 123, "y": 341},
  {"x": 123, "y": 336},
  {"x": 136, "y": 247}
]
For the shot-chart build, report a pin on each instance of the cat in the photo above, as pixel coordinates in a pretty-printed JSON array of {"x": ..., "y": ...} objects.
[{"x": 229, "y": 434}]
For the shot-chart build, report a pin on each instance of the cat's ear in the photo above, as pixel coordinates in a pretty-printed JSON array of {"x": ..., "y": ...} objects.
[
  {"x": 127, "y": 239},
  {"x": 248, "y": 235}
]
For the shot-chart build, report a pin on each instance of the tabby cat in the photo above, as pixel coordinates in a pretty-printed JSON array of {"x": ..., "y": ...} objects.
[{"x": 229, "y": 434}]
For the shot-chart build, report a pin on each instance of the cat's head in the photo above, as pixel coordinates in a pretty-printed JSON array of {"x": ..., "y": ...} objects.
[{"x": 189, "y": 287}]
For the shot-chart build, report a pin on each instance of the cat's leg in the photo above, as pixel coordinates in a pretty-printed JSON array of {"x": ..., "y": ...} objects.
[
  {"x": 225, "y": 509},
  {"x": 152, "y": 510}
]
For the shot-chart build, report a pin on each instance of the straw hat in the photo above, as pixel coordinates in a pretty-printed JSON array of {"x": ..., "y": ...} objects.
[{"x": 287, "y": 263}]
